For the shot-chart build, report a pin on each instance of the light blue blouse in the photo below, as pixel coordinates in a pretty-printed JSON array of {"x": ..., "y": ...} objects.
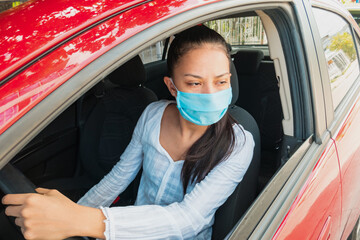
[{"x": 161, "y": 210}]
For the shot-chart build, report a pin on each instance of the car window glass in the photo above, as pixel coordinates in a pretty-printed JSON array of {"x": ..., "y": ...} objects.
[
  {"x": 340, "y": 52},
  {"x": 152, "y": 53},
  {"x": 240, "y": 31},
  {"x": 357, "y": 18},
  {"x": 357, "y": 40},
  {"x": 355, "y": 12}
]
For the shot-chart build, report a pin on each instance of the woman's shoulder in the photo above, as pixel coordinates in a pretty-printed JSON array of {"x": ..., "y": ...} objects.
[
  {"x": 241, "y": 134},
  {"x": 152, "y": 115},
  {"x": 155, "y": 109},
  {"x": 157, "y": 105},
  {"x": 244, "y": 141}
]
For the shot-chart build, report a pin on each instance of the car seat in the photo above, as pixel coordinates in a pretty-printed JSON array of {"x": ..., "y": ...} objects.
[
  {"x": 239, "y": 201},
  {"x": 247, "y": 63},
  {"x": 259, "y": 95},
  {"x": 107, "y": 130}
]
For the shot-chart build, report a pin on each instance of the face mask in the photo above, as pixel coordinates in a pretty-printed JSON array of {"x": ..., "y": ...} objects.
[{"x": 203, "y": 108}]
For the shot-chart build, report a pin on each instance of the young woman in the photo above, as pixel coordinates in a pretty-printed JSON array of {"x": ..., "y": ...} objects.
[{"x": 193, "y": 155}]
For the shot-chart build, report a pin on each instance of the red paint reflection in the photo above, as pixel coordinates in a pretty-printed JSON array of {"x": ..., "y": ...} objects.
[
  {"x": 319, "y": 197},
  {"x": 33, "y": 27}
]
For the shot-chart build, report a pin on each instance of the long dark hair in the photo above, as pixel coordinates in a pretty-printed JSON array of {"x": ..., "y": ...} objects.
[{"x": 217, "y": 143}]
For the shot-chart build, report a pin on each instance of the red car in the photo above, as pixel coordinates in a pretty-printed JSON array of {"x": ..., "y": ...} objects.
[{"x": 72, "y": 85}]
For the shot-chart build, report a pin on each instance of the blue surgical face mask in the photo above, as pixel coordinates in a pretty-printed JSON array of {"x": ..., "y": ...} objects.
[{"x": 203, "y": 108}]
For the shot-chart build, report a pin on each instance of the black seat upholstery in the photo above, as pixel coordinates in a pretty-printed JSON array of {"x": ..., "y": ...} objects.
[
  {"x": 239, "y": 201},
  {"x": 155, "y": 72},
  {"x": 108, "y": 128},
  {"x": 247, "y": 63},
  {"x": 271, "y": 115},
  {"x": 259, "y": 95}
]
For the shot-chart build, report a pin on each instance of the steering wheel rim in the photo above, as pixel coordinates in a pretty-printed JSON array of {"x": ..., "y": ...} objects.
[{"x": 13, "y": 181}]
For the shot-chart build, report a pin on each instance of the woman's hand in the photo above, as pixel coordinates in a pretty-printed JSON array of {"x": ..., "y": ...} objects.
[{"x": 51, "y": 215}]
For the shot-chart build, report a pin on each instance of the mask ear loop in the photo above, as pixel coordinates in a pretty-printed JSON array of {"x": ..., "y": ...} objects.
[{"x": 174, "y": 84}]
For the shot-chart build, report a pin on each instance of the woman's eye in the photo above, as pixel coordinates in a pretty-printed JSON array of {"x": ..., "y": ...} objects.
[
  {"x": 222, "y": 82},
  {"x": 194, "y": 84}
]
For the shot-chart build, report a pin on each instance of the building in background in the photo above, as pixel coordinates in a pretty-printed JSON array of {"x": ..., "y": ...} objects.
[{"x": 6, "y": 4}]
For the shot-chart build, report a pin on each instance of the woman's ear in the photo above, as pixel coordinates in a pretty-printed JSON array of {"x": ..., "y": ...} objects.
[{"x": 170, "y": 86}]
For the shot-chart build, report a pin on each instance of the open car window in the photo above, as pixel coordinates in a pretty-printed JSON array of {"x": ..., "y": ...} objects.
[{"x": 240, "y": 31}]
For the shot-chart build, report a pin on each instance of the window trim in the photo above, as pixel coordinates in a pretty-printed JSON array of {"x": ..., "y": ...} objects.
[{"x": 298, "y": 73}]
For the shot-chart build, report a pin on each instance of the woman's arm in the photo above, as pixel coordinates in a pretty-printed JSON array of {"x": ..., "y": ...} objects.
[{"x": 51, "y": 215}]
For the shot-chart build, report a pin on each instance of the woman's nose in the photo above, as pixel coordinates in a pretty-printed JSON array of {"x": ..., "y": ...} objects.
[{"x": 208, "y": 88}]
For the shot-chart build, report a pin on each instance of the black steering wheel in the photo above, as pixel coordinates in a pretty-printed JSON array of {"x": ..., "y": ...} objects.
[{"x": 14, "y": 181}]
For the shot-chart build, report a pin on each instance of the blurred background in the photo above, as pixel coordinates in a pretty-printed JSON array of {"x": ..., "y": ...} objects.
[{"x": 5, "y": 4}]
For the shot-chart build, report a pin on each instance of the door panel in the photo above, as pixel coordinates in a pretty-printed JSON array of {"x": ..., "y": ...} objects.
[
  {"x": 348, "y": 146},
  {"x": 319, "y": 199}
]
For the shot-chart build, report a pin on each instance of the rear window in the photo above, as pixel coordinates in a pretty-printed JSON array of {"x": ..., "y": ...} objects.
[
  {"x": 355, "y": 12},
  {"x": 238, "y": 31},
  {"x": 340, "y": 52},
  {"x": 241, "y": 30}
]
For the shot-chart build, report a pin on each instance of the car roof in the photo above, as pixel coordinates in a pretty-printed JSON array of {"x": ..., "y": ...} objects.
[{"x": 31, "y": 29}]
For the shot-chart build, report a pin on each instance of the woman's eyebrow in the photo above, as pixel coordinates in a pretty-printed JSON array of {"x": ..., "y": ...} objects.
[
  {"x": 192, "y": 75},
  {"x": 221, "y": 75},
  {"x": 197, "y": 76}
]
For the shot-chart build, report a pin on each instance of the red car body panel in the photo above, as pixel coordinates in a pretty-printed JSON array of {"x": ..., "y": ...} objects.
[
  {"x": 316, "y": 210},
  {"x": 34, "y": 27},
  {"x": 26, "y": 89},
  {"x": 348, "y": 147},
  {"x": 329, "y": 201}
]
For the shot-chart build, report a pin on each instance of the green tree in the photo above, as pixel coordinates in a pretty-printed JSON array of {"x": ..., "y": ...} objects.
[{"x": 343, "y": 41}]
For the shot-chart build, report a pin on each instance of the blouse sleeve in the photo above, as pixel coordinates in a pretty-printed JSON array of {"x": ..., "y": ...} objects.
[
  {"x": 121, "y": 175},
  {"x": 185, "y": 219}
]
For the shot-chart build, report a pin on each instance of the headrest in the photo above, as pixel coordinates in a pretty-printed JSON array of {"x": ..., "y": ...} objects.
[
  {"x": 234, "y": 83},
  {"x": 248, "y": 61},
  {"x": 131, "y": 74}
]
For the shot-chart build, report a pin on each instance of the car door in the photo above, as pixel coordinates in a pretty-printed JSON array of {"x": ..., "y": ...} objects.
[{"x": 341, "y": 51}]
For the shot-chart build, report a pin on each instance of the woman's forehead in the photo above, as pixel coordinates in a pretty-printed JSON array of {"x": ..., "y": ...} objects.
[{"x": 204, "y": 59}]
